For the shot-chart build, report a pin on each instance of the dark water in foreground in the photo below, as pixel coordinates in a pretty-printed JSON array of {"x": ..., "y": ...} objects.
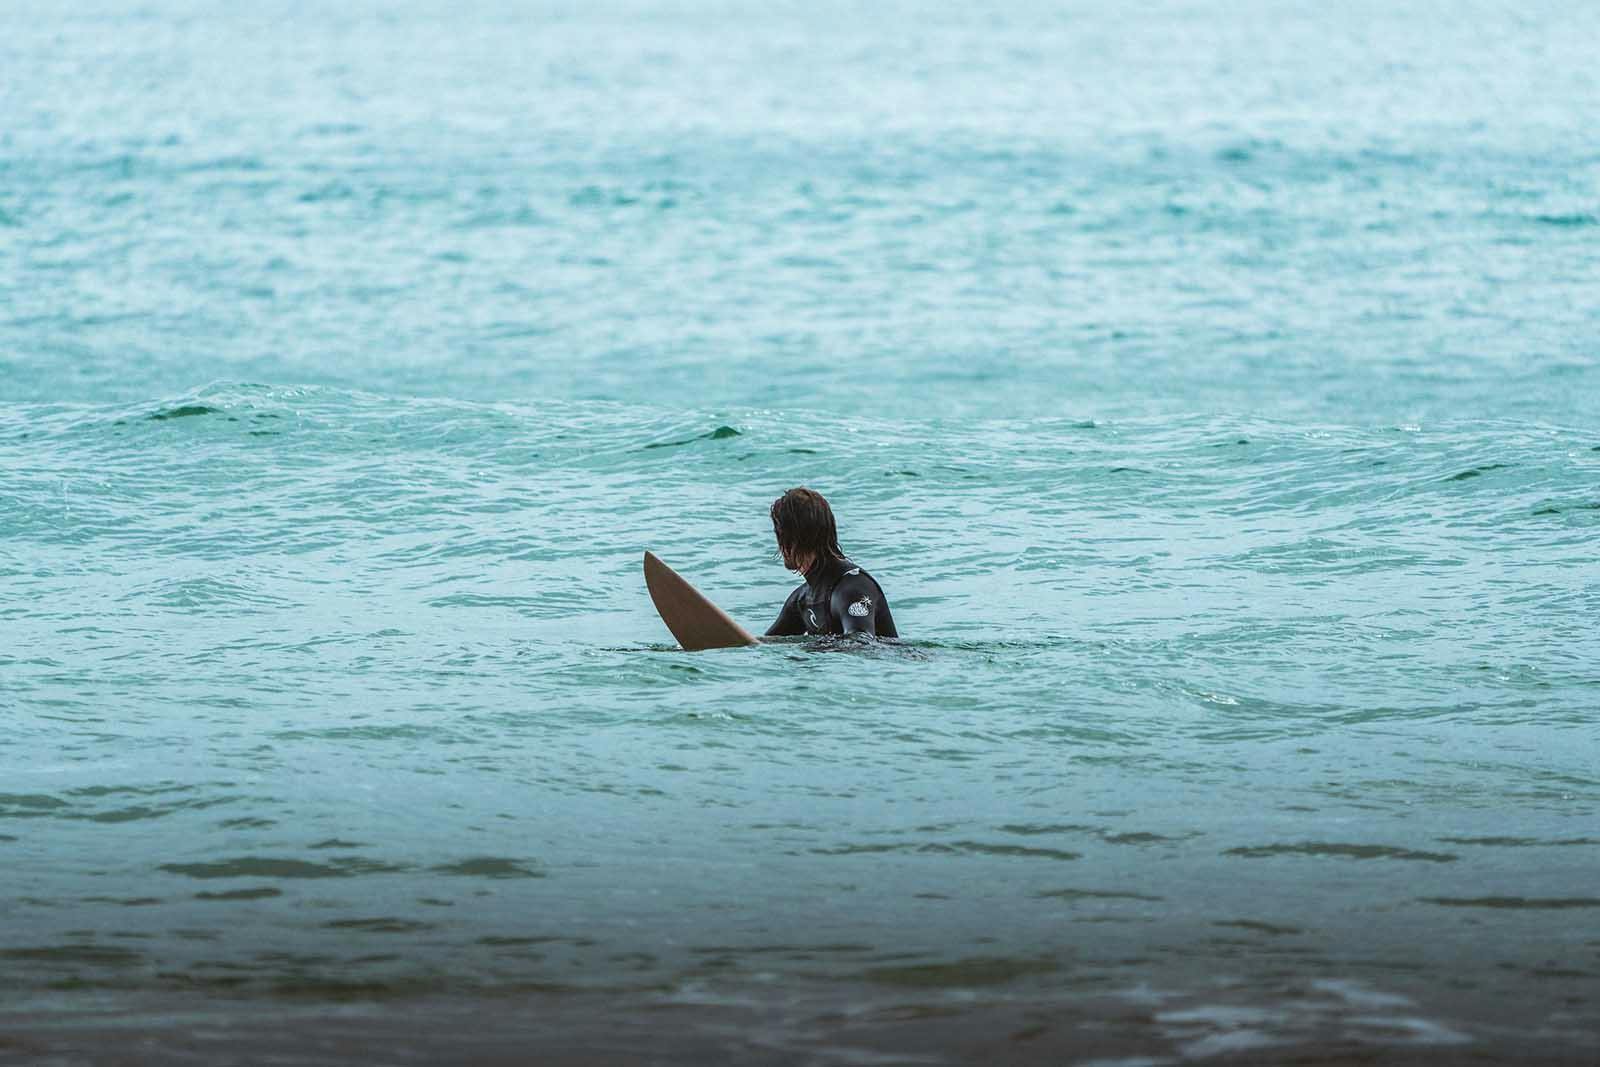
[
  {"x": 305, "y": 716},
  {"x": 1214, "y": 392}
]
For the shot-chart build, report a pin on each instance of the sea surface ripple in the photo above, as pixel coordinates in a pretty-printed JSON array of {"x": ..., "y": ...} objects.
[{"x": 1213, "y": 390}]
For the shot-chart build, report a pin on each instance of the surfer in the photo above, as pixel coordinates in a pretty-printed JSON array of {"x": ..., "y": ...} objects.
[{"x": 838, "y": 597}]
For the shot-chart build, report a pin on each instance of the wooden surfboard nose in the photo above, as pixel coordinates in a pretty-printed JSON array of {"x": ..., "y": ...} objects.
[{"x": 695, "y": 621}]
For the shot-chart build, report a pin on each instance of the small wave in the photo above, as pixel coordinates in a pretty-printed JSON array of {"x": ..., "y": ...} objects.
[
  {"x": 125, "y": 902},
  {"x": 396, "y": 732},
  {"x": 1514, "y": 903},
  {"x": 236, "y": 162},
  {"x": 380, "y": 925},
  {"x": 183, "y": 411},
  {"x": 980, "y": 848},
  {"x": 488, "y": 867},
  {"x": 1568, "y": 219},
  {"x": 1096, "y": 894},
  {"x": 187, "y": 594},
  {"x": 275, "y": 867},
  {"x": 262, "y": 892},
  {"x": 1552, "y": 509},
  {"x": 1520, "y": 842},
  {"x": 721, "y": 433},
  {"x": 984, "y": 848},
  {"x": 1348, "y": 851},
  {"x": 1029, "y": 829},
  {"x": 602, "y": 196},
  {"x": 330, "y": 191},
  {"x": 28, "y": 805},
  {"x": 1260, "y": 927},
  {"x": 1477, "y": 472},
  {"x": 1142, "y": 838},
  {"x": 1130, "y": 837},
  {"x": 482, "y": 600},
  {"x": 101, "y": 955}
]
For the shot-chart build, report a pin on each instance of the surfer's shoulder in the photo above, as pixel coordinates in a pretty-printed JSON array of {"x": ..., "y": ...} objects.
[
  {"x": 854, "y": 576},
  {"x": 854, "y": 586}
]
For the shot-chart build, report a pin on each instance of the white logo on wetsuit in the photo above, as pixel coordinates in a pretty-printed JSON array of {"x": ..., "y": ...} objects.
[
  {"x": 861, "y": 608},
  {"x": 813, "y": 616}
]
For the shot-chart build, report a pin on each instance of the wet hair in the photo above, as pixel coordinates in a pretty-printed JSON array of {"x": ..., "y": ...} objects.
[{"x": 803, "y": 523}]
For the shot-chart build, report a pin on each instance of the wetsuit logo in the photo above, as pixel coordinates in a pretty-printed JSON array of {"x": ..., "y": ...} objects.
[
  {"x": 812, "y": 615},
  {"x": 861, "y": 608}
]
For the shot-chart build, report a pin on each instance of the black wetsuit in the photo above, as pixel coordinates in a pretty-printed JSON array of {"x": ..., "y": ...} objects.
[{"x": 837, "y": 598}]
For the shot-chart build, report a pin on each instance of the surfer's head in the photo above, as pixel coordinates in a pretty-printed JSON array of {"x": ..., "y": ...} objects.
[{"x": 803, "y": 523}]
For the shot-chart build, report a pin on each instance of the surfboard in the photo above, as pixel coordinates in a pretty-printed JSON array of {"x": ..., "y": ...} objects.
[{"x": 696, "y": 622}]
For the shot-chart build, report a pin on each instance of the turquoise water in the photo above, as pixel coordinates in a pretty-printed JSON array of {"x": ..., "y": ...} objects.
[{"x": 1214, "y": 389}]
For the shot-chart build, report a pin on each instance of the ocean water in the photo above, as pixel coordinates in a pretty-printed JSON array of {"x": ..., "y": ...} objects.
[{"x": 1214, "y": 388}]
